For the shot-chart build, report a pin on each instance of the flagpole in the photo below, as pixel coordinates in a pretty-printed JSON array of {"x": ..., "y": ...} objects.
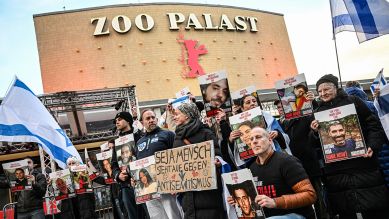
[{"x": 336, "y": 47}]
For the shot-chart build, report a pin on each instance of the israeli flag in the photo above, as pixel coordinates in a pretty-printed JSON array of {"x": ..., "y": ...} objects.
[
  {"x": 379, "y": 81},
  {"x": 382, "y": 105},
  {"x": 179, "y": 101},
  {"x": 369, "y": 18},
  {"x": 23, "y": 118}
]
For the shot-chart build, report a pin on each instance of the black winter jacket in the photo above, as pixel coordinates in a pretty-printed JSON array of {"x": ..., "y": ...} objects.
[
  {"x": 355, "y": 185},
  {"x": 202, "y": 204}
]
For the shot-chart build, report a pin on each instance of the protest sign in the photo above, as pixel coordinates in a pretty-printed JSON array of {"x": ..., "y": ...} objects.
[
  {"x": 340, "y": 133},
  {"x": 124, "y": 147},
  {"x": 240, "y": 185},
  {"x": 292, "y": 94},
  {"x": 104, "y": 147},
  {"x": 17, "y": 174},
  {"x": 92, "y": 172},
  {"x": 187, "y": 168},
  {"x": 81, "y": 181},
  {"x": 184, "y": 91},
  {"x": 104, "y": 159},
  {"x": 144, "y": 175},
  {"x": 237, "y": 95},
  {"x": 62, "y": 184},
  {"x": 179, "y": 101},
  {"x": 244, "y": 122},
  {"x": 216, "y": 93}
]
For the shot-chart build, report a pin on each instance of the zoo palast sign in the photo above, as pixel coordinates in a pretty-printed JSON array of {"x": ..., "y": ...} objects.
[{"x": 144, "y": 22}]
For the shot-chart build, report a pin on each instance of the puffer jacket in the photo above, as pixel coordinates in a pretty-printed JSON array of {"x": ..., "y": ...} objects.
[
  {"x": 355, "y": 185},
  {"x": 201, "y": 204},
  {"x": 30, "y": 200}
]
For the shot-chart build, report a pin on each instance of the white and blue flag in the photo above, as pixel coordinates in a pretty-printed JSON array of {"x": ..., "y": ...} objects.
[
  {"x": 23, "y": 118},
  {"x": 368, "y": 18},
  {"x": 379, "y": 81},
  {"x": 382, "y": 105}
]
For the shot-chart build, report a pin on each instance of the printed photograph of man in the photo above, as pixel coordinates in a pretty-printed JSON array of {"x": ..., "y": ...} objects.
[
  {"x": 337, "y": 132},
  {"x": 126, "y": 155},
  {"x": 216, "y": 95},
  {"x": 62, "y": 187},
  {"x": 244, "y": 196},
  {"x": 21, "y": 179}
]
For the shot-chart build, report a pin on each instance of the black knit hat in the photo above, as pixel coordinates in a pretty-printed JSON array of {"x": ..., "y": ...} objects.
[
  {"x": 328, "y": 79},
  {"x": 126, "y": 116}
]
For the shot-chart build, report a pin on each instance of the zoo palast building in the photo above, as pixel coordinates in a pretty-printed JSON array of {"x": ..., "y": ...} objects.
[{"x": 156, "y": 46}]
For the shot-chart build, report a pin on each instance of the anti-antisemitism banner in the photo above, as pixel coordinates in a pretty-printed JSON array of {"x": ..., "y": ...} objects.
[
  {"x": 17, "y": 174},
  {"x": 62, "y": 184},
  {"x": 92, "y": 172},
  {"x": 184, "y": 91},
  {"x": 216, "y": 93},
  {"x": 144, "y": 175},
  {"x": 124, "y": 147},
  {"x": 292, "y": 93},
  {"x": 81, "y": 181},
  {"x": 340, "y": 133},
  {"x": 104, "y": 159},
  {"x": 244, "y": 122},
  {"x": 187, "y": 168},
  {"x": 240, "y": 185},
  {"x": 250, "y": 90}
]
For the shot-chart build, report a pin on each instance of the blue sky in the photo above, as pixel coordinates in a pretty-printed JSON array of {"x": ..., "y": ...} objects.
[{"x": 308, "y": 23}]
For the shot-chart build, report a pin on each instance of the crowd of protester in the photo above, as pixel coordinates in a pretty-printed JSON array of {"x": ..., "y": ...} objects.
[{"x": 288, "y": 157}]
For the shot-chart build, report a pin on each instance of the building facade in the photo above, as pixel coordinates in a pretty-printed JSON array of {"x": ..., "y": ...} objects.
[{"x": 161, "y": 48}]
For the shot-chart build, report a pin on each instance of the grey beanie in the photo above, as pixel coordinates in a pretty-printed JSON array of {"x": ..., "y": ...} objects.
[{"x": 190, "y": 110}]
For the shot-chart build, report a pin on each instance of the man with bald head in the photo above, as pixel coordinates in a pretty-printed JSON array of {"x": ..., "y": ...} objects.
[{"x": 282, "y": 183}]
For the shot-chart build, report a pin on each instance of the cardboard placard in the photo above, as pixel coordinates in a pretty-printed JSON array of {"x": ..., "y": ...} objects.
[
  {"x": 340, "y": 133},
  {"x": 104, "y": 159},
  {"x": 187, "y": 168},
  {"x": 81, "y": 180},
  {"x": 240, "y": 185},
  {"x": 292, "y": 94},
  {"x": 62, "y": 184},
  {"x": 144, "y": 175},
  {"x": 17, "y": 174}
]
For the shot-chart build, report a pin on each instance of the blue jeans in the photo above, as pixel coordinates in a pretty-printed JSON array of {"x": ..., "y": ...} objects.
[
  {"x": 35, "y": 214},
  {"x": 128, "y": 199},
  {"x": 287, "y": 216}
]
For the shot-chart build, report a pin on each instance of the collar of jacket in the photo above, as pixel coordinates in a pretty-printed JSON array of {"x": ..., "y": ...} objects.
[
  {"x": 125, "y": 133},
  {"x": 157, "y": 129}
]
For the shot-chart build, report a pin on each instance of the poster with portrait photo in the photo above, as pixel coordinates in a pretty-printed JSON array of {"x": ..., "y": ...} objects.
[
  {"x": 81, "y": 180},
  {"x": 17, "y": 174},
  {"x": 144, "y": 175},
  {"x": 237, "y": 95},
  {"x": 244, "y": 122},
  {"x": 340, "y": 133},
  {"x": 292, "y": 94},
  {"x": 241, "y": 187},
  {"x": 104, "y": 159},
  {"x": 183, "y": 92},
  {"x": 104, "y": 147},
  {"x": 125, "y": 150},
  {"x": 62, "y": 184},
  {"x": 91, "y": 163},
  {"x": 216, "y": 93}
]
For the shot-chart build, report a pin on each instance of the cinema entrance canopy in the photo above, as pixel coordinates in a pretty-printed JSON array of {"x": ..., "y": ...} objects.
[{"x": 159, "y": 47}]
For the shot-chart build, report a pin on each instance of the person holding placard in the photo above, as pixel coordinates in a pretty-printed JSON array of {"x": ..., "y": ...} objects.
[
  {"x": 353, "y": 185},
  {"x": 154, "y": 140},
  {"x": 29, "y": 202},
  {"x": 284, "y": 189},
  {"x": 190, "y": 130}
]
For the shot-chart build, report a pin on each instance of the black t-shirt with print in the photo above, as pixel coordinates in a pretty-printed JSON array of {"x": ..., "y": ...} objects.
[{"x": 276, "y": 178}]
